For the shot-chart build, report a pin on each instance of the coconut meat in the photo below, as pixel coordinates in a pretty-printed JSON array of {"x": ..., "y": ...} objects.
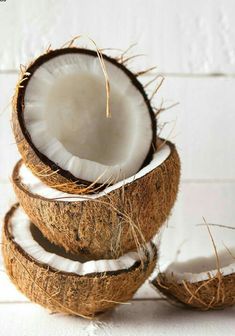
[
  {"x": 202, "y": 268},
  {"x": 21, "y": 230},
  {"x": 65, "y": 116},
  {"x": 35, "y": 186}
]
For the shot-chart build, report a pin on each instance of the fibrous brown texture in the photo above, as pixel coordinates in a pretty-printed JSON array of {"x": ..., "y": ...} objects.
[
  {"x": 112, "y": 224},
  {"x": 70, "y": 293},
  {"x": 49, "y": 172},
  {"x": 215, "y": 293}
]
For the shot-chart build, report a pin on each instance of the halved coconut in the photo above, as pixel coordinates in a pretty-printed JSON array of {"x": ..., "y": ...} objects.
[
  {"x": 66, "y": 283},
  {"x": 60, "y": 122},
  {"x": 199, "y": 283},
  {"x": 108, "y": 223}
]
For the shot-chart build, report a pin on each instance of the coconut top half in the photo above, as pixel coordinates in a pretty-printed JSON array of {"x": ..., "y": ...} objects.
[{"x": 60, "y": 118}]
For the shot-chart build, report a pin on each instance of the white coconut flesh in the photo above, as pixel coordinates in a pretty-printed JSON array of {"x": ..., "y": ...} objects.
[
  {"x": 37, "y": 187},
  {"x": 22, "y": 232},
  {"x": 65, "y": 115},
  {"x": 202, "y": 268}
]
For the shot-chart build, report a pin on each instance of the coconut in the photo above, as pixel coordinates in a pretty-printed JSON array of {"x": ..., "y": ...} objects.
[
  {"x": 111, "y": 222},
  {"x": 203, "y": 283},
  {"x": 61, "y": 125},
  {"x": 66, "y": 283}
]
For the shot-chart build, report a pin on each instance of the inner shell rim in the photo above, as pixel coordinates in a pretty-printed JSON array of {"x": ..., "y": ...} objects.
[{"x": 165, "y": 150}]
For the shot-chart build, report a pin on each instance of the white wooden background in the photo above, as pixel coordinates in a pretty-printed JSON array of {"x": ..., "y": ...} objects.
[{"x": 193, "y": 44}]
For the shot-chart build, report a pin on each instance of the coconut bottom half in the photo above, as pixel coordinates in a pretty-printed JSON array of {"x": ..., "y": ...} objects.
[
  {"x": 198, "y": 283},
  {"x": 111, "y": 222},
  {"x": 65, "y": 283}
]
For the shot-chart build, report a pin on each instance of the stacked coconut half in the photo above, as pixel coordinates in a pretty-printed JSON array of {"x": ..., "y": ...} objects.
[{"x": 93, "y": 188}]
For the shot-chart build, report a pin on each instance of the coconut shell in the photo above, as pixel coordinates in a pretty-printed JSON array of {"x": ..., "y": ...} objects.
[
  {"x": 70, "y": 293},
  {"x": 112, "y": 224},
  {"x": 48, "y": 171},
  {"x": 215, "y": 293}
]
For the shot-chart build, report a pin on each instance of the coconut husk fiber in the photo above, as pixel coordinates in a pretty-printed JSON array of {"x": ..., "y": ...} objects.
[
  {"x": 112, "y": 224},
  {"x": 70, "y": 293},
  {"x": 217, "y": 292}
]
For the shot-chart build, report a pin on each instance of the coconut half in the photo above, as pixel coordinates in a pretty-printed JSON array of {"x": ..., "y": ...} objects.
[
  {"x": 65, "y": 283},
  {"x": 60, "y": 122},
  {"x": 111, "y": 222},
  {"x": 199, "y": 283}
]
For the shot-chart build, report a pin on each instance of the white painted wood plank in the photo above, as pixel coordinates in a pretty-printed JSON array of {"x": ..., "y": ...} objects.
[
  {"x": 146, "y": 291},
  {"x": 8, "y": 151},
  {"x": 7, "y": 199},
  {"x": 203, "y": 125},
  {"x": 8, "y": 292},
  {"x": 181, "y": 36},
  {"x": 145, "y": 318},
  {"x": 183, "y": 238}
]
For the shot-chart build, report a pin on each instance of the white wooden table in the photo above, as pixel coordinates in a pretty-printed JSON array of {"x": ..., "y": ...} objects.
[{"x": 193, "y": 43}]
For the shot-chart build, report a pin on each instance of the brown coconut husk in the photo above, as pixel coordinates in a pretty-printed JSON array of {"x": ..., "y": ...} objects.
[
  {"x": 49, "y": 172},
  {"x": 70, "y": 293},
  {"x": 217, "y": 292},
  {"x": 112, "y": 224}
]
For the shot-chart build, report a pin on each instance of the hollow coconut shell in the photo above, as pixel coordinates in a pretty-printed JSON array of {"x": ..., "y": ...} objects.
[
  {"x": 111, "y": 224},
  {"x": 48, "y": 171},
  {"x": 216, "y": 292},
  {"x": 58, "y": 291}
]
